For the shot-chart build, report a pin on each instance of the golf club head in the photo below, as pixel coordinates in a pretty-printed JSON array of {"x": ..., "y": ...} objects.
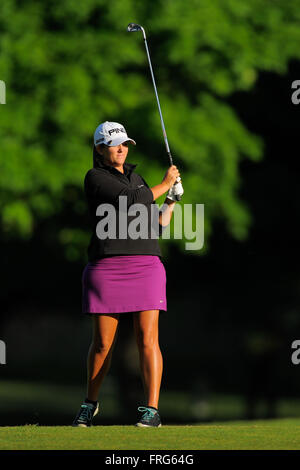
[{"x": 133, "y": 27}]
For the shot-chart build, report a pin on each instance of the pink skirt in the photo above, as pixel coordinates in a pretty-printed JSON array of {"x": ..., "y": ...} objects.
[{"x": 119, "y": 284}]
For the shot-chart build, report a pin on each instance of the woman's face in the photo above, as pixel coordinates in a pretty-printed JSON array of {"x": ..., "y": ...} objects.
[{"x": 114, "y": 156}]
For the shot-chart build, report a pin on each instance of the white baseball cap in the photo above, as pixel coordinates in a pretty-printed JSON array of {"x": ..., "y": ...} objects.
[{"x": 111, "y": 134}]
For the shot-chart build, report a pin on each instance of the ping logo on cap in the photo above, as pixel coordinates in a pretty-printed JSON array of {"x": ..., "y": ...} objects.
[{"x": 117, "y": 130}]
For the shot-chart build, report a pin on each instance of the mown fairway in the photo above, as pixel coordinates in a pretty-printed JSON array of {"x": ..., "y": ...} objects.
[{"x": 254, "y": 435}]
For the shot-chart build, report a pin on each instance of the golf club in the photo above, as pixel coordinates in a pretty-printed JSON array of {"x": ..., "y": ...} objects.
[{"x": 132, "y": 28}]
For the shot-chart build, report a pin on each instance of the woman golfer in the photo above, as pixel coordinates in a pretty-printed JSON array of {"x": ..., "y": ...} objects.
[{"x": 124, "y": 272}]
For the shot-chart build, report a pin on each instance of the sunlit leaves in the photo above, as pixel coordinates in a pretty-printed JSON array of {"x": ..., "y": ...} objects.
[{"x": 68, "y": 66}]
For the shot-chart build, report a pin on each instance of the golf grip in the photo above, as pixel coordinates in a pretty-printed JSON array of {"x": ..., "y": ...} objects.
[{"x": 178, "y": 179}]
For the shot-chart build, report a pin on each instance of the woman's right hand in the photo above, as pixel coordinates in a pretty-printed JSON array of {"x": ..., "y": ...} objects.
[{"x": 170, "y": 176}]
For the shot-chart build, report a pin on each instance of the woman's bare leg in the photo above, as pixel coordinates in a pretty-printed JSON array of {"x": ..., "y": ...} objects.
[
  {"x": 100, "y": 352},
  {"x": 151, "y": 362}
]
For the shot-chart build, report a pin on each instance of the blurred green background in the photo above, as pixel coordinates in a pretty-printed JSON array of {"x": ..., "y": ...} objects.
[{"x": 224, "y": 71}]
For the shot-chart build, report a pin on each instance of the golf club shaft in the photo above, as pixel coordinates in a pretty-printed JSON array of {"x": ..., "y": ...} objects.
[
  {"x": 133, "y": 27},
  {"x": 158, "y": 104}
]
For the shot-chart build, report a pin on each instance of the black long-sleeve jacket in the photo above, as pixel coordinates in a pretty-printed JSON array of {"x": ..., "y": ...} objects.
[{"x": 104, "y": 185}]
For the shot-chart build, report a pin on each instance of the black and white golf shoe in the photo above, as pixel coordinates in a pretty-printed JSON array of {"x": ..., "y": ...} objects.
[
  {"x": 85, "y": 415},
  {"x": 149, "y": 419}
]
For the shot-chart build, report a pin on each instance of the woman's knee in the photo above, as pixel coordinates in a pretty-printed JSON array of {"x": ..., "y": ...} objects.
[
  {"x": 147, "y": 340},
  {"x": 104, "y": 333},
  {"x": 146, "y": 329},
  {"x": 101, "y": 347}
]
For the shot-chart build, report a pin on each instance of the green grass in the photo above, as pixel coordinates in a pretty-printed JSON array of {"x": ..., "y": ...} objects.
[{"x": 281, "y": 434}]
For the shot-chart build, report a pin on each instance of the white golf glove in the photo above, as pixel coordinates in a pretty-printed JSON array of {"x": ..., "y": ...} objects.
[{"x": 176, "y": 191}]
